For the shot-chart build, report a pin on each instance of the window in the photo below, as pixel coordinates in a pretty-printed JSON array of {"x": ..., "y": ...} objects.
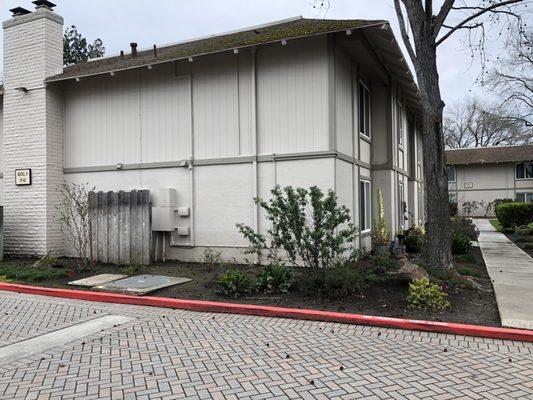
[
  {"x": 524, "y": 170},
  {"x": 525, "y": 197},
  {"x": 399, "y": 124},
  {"x": 401, "y": 206},
  {"x": 452, "y": 197},
  {"x": 451, "y": 174},
  {"x": 364, "y": 110},
  {"x": 365, "y": 204}
]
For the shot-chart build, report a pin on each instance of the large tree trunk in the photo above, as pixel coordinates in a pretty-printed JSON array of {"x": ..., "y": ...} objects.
[{"x": 438, "y": 237}]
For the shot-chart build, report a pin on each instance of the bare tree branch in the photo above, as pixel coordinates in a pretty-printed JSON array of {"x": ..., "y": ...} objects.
[
  {"x": 403, "y": 30},
  {"x": 442, "y": 15},
  {"x": 482, "y": 11}
]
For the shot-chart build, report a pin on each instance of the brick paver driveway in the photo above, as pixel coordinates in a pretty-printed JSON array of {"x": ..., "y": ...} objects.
[{"x": 173, "y": 354}]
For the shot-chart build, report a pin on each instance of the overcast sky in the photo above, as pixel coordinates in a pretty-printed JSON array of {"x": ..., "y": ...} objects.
[{"x": 148, "y": 22}]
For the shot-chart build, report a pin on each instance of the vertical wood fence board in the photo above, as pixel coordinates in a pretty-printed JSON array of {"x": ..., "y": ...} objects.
[
  {"x": 121, "y": 227},
  {"x": 124, "y": 223},
  {"x": 113, "y": 235}
]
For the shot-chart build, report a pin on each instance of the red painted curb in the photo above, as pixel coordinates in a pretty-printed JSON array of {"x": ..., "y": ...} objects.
[{"x": 280, "y": 312}]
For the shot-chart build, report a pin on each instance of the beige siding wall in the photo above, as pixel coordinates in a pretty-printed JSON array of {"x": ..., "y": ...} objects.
[
  {"x": 292, "y": 96},
  {"x": 486, "y": 183}
]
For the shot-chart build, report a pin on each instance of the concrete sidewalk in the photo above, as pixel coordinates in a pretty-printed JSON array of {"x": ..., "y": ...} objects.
[{"x": 511, "y": 271}]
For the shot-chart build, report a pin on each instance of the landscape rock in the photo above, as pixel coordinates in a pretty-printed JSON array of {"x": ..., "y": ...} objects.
[{"x": 410, "y": 272}]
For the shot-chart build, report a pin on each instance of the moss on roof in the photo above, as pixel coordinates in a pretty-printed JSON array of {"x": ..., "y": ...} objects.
[{"x": 284, "y": 30}]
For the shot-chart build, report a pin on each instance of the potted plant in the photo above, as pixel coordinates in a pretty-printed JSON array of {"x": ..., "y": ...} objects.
[{"x": 380, "y": 231}]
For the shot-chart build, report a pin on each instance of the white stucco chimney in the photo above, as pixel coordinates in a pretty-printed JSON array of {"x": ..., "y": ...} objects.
[{"x": 32, "y": 137}]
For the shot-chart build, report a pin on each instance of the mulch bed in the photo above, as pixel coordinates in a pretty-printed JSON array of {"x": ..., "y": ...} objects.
[{"x": 380, "y": 299}]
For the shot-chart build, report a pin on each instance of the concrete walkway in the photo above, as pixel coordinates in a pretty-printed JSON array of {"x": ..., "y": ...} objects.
[{"x": 511, "y": 271}]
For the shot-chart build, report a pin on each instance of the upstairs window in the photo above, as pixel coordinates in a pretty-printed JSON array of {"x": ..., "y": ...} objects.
[
  {"x": 399, "y": 124},
  {"x": 364, "y": 110},
  {"x": 451, "y": 174},
  {"x": 524, "y": 170}
]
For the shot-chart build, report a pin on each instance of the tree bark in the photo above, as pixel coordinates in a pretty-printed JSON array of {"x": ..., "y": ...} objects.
[{"x": 438, "y": 236}]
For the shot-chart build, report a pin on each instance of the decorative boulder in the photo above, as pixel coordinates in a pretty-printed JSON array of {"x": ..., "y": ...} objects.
[{"x": 410, "y": 272}]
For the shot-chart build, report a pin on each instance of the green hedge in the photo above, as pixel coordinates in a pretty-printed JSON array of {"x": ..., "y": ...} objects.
[{"x": 514, "y": 214}]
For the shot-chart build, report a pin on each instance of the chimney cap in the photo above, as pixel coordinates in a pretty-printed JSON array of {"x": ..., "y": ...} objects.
[
  {"x": 19, "y": 11},
  {"x": 44, "y": 4}
]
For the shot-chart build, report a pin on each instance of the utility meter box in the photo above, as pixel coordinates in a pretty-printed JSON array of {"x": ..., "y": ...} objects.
[{"x": 167, "y": 198}]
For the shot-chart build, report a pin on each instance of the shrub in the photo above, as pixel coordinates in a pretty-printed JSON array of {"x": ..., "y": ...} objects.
[
  {"x": 514, "y": 214},
  {"x": 275, "y": 278},
  {"x": 382, "y": 263},
  {"x": 234, "y": 283},
  {"x": 460, "y": 243},
  {"x": 528, "y": 246},
  {"x": 469, "y": 207},
  {"x": 453, "y": 208},
  {"x": 26, "y": 273},
  {"x": 522, "y": 234},
  {"x": 338, "y": 282},
  {"x": 424, "y": 295},
  {"x": 212, "y": 257},
  {"x": 466, "y": 226},
  {"x": 307, "y": 224},
  {"x": 414, "y": 243},
  {"x": 497, "y": 202}
]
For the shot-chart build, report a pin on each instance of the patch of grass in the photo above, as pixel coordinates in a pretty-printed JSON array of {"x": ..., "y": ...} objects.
[
  {"x": 496, "y": 224},
  {"x": 131, "y": 270},
  {"x": 27, "y": 273},
  {"x": 466, "y": 270},
  {"x": 466, "y": 258}
]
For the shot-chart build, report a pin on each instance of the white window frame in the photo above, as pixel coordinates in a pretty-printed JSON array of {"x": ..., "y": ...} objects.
[
  {"x": 365, "y": 203},
  {"x": 516, "y": 174},
  {"x": 454, "y": 174},
  {"x": 525, "y": 196},
  {"x": 399, "y": 123},
  {"x": 361, "y": 102}
]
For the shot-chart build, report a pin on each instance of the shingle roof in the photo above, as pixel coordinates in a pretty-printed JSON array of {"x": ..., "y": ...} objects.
[
  {"x": 293, "y": 28},
  {"x": 488, "y": 155}
]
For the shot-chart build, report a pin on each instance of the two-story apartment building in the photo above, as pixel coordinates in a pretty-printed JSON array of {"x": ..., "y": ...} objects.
[
  {"x": 219, "y": 120},
  {"x": 485, "y": 174}
]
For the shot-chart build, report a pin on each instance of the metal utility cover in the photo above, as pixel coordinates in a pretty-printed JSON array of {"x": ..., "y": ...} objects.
[
  {"x": 97, "y": 280},
  {"x": 141, "y": 284}
]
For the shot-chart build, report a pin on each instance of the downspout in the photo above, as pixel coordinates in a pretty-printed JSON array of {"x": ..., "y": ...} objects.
[{"x": 191, "y": 163}]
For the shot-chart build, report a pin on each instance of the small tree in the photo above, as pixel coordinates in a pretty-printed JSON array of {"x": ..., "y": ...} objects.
[
  {"x": 307, "y": 224},
  {"x": 76, "y": 49},
  {"x": 469, "y": 207},
  {"x": 73, "y": 217}
]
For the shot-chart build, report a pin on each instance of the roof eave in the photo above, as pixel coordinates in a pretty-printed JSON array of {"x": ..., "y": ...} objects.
[{"x": 60, "y": 78}]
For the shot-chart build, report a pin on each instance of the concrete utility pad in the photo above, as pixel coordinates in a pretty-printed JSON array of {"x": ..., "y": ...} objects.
[
  {"x": 97, "y": 280},
  {"x": 141, "y": 284}
]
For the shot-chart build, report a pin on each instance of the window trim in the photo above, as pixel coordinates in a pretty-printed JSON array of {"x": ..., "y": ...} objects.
[
  {"x": 454, "y": 173},
  {"x": 365, "y": 86},
  {"x": 401, "y": 208},
  {"x": 525, "y": 193},
  {"x": 368, "y": 207},
  {"x": 516, "y": 174}
]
